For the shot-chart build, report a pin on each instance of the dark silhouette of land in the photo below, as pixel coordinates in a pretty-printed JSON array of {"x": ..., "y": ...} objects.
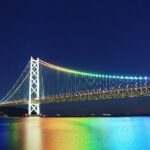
[
  {"x": 13, "y": 111},
  {"x": 118, "y": 107}
]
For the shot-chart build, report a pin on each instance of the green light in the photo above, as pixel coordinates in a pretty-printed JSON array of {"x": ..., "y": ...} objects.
[
  {"x": 99, "y": 76},
  {"x": 58, "y": 68},
  {"x": 103, "y": 76}
]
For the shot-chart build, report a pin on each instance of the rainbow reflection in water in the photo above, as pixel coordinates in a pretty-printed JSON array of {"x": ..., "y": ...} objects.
[{"x": 128, "y": 133}]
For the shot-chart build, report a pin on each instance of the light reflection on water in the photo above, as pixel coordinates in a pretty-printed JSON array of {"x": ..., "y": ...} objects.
[{"x": 127, "y": 133}]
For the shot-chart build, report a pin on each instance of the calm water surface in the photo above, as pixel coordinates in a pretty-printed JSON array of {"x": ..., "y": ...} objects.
[{"x": 128, "y": 133}]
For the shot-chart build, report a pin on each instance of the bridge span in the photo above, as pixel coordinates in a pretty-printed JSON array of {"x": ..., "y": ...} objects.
[{"x": 42, "y": 83}]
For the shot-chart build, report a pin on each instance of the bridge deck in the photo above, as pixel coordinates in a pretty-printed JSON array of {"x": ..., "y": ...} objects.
[{"x": 88, "y": 96}]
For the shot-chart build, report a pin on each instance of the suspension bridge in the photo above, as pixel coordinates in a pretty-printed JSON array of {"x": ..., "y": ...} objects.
[{"x": 42, "y": 82}]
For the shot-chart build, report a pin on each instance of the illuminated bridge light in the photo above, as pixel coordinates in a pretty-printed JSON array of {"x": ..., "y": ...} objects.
[
  {"x": 122, "y": 77},
  {"x": 135, "y": 78},
  {"x": 145, "y": 78},
  {"x": 88, "y": 74},
  {"x": 103, "y": 76},
  {"x": 131, "y": 78},
  {"x": 110, "y": 76},
  {"x": 140, "y": 78},
  {"x": 126, "y": 77},
  {"x": 114, "y": 77},
  {"x": 99, "y": 76},
  {"x": 117, "y": 77},
  {"x": 92, "y": 74},
  {"x": 68, "y": 86}
]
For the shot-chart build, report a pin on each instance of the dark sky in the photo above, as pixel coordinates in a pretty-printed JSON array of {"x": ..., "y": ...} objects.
[{"x": 110, "y": 36}]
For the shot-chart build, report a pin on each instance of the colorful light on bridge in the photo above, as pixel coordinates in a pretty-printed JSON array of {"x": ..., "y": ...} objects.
[{"x": 92, "y": 74}]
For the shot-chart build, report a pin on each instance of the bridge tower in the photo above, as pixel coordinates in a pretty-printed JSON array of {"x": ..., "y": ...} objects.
[{"x": 34, "y": 87}]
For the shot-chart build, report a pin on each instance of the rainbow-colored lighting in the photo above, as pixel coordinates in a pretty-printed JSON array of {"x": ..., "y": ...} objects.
[{"x": 92, "y": 74}]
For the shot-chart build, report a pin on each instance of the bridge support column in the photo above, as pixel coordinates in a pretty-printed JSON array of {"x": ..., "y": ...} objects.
[{"x": 34, "y": 87}]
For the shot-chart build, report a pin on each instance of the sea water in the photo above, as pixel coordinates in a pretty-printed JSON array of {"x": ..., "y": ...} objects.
[{"x": 110, "y": 133}]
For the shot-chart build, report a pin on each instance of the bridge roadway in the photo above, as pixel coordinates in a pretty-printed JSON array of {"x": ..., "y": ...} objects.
[{"x": 87, "y": 96}]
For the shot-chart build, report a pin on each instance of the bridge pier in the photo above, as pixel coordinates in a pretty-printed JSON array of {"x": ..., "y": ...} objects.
[{"x": 34, "y": 87}]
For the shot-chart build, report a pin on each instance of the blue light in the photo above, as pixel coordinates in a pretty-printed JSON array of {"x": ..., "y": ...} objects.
[
  {"x": 135, "y": 78},
  {"x": 127, "y": 77},
  {"x": 131, "y": 78},
  {"x": 110, "y": 76},
  {"x": 114, "y": 76},
  {"x": 145, "y": 78},
  {"x": 121, "y": 77}
]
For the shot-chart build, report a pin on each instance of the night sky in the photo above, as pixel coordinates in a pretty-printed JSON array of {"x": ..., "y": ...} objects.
[{"x": 109, "y": 36}]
